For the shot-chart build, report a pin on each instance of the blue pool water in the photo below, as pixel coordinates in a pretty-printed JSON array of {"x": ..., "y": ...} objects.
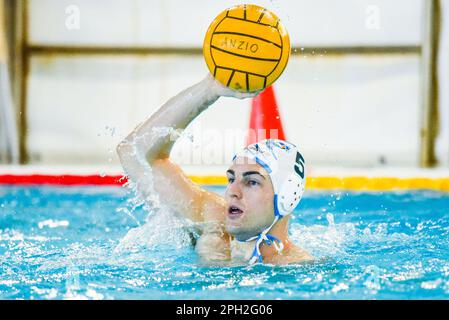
[{"x": 97, "y": 243}]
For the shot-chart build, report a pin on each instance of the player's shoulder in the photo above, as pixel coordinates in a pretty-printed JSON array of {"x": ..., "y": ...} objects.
[
  {"x": 295, "y": 255},
  {"x": 213, "y": 245}
]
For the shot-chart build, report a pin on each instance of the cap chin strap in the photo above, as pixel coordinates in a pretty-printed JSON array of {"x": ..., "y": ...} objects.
[{"x": 265, "y": 237}]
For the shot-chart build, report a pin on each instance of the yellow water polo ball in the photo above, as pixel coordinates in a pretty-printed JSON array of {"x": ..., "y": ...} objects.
[{"x": 246, "y": 48}]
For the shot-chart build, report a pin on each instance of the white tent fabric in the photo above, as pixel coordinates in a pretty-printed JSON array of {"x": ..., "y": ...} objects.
[{"x": 9, "y": 146}]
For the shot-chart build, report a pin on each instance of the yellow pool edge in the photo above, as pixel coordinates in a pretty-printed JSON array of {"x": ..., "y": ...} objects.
[{"x": 353, "y": 183}]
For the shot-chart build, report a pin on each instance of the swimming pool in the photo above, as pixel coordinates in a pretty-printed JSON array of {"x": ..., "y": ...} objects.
[{"x": 94, "y": 243}]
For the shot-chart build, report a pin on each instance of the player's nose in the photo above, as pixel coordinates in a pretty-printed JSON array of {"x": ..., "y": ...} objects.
[{"x": 234, "y": 190}]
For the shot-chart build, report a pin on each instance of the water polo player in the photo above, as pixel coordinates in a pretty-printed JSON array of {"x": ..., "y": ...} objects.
[{"x": 265, "y": 183}]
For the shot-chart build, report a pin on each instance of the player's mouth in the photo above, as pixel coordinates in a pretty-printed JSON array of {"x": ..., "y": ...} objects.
[{"x": 234, "y": 212}]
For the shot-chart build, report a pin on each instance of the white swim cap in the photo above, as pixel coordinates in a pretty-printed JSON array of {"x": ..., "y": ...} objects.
[{"x": 285, "y": 166}]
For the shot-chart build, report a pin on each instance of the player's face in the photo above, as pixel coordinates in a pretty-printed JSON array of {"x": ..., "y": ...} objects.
[{"x": 249, "y": 198}]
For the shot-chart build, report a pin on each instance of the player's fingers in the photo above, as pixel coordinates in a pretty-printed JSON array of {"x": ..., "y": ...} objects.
[{"x": 245, "y": 95}]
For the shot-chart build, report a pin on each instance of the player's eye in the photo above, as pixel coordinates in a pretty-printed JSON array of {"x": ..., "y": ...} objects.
[
  {"x": 253, "y": 183},
  {"x": 231, "y": 180}
]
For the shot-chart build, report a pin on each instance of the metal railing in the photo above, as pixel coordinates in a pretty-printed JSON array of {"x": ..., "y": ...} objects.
[{"x": 429, "y": 82}]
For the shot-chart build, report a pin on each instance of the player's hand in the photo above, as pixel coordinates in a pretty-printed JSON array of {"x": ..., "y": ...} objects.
[{"x": 222, "y": 91}]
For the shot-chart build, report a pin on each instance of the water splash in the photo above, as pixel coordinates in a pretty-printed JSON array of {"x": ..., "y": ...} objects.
[{"x": 162, "y": 225}]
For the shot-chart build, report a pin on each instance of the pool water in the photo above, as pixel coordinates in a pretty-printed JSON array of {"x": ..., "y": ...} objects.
[{"x": 98, "y": 243}]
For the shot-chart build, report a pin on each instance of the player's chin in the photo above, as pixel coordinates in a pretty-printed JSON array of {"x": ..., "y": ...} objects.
[
  {"x": 238, "y": 231},
  {"x": 233, "y": 227}
]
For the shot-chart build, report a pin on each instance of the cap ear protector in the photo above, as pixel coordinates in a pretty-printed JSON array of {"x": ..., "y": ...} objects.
[{"x": 285, "y": 166}]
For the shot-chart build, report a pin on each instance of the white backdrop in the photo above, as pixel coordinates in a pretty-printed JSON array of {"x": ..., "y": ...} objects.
[{"x": 342, "y": 110}]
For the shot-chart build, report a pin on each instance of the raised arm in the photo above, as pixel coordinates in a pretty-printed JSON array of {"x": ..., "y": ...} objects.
[{"x": 146, "y": 150}]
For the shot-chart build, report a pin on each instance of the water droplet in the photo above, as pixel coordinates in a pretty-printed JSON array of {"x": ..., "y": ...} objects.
[{"x": 330, "y": 219}]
